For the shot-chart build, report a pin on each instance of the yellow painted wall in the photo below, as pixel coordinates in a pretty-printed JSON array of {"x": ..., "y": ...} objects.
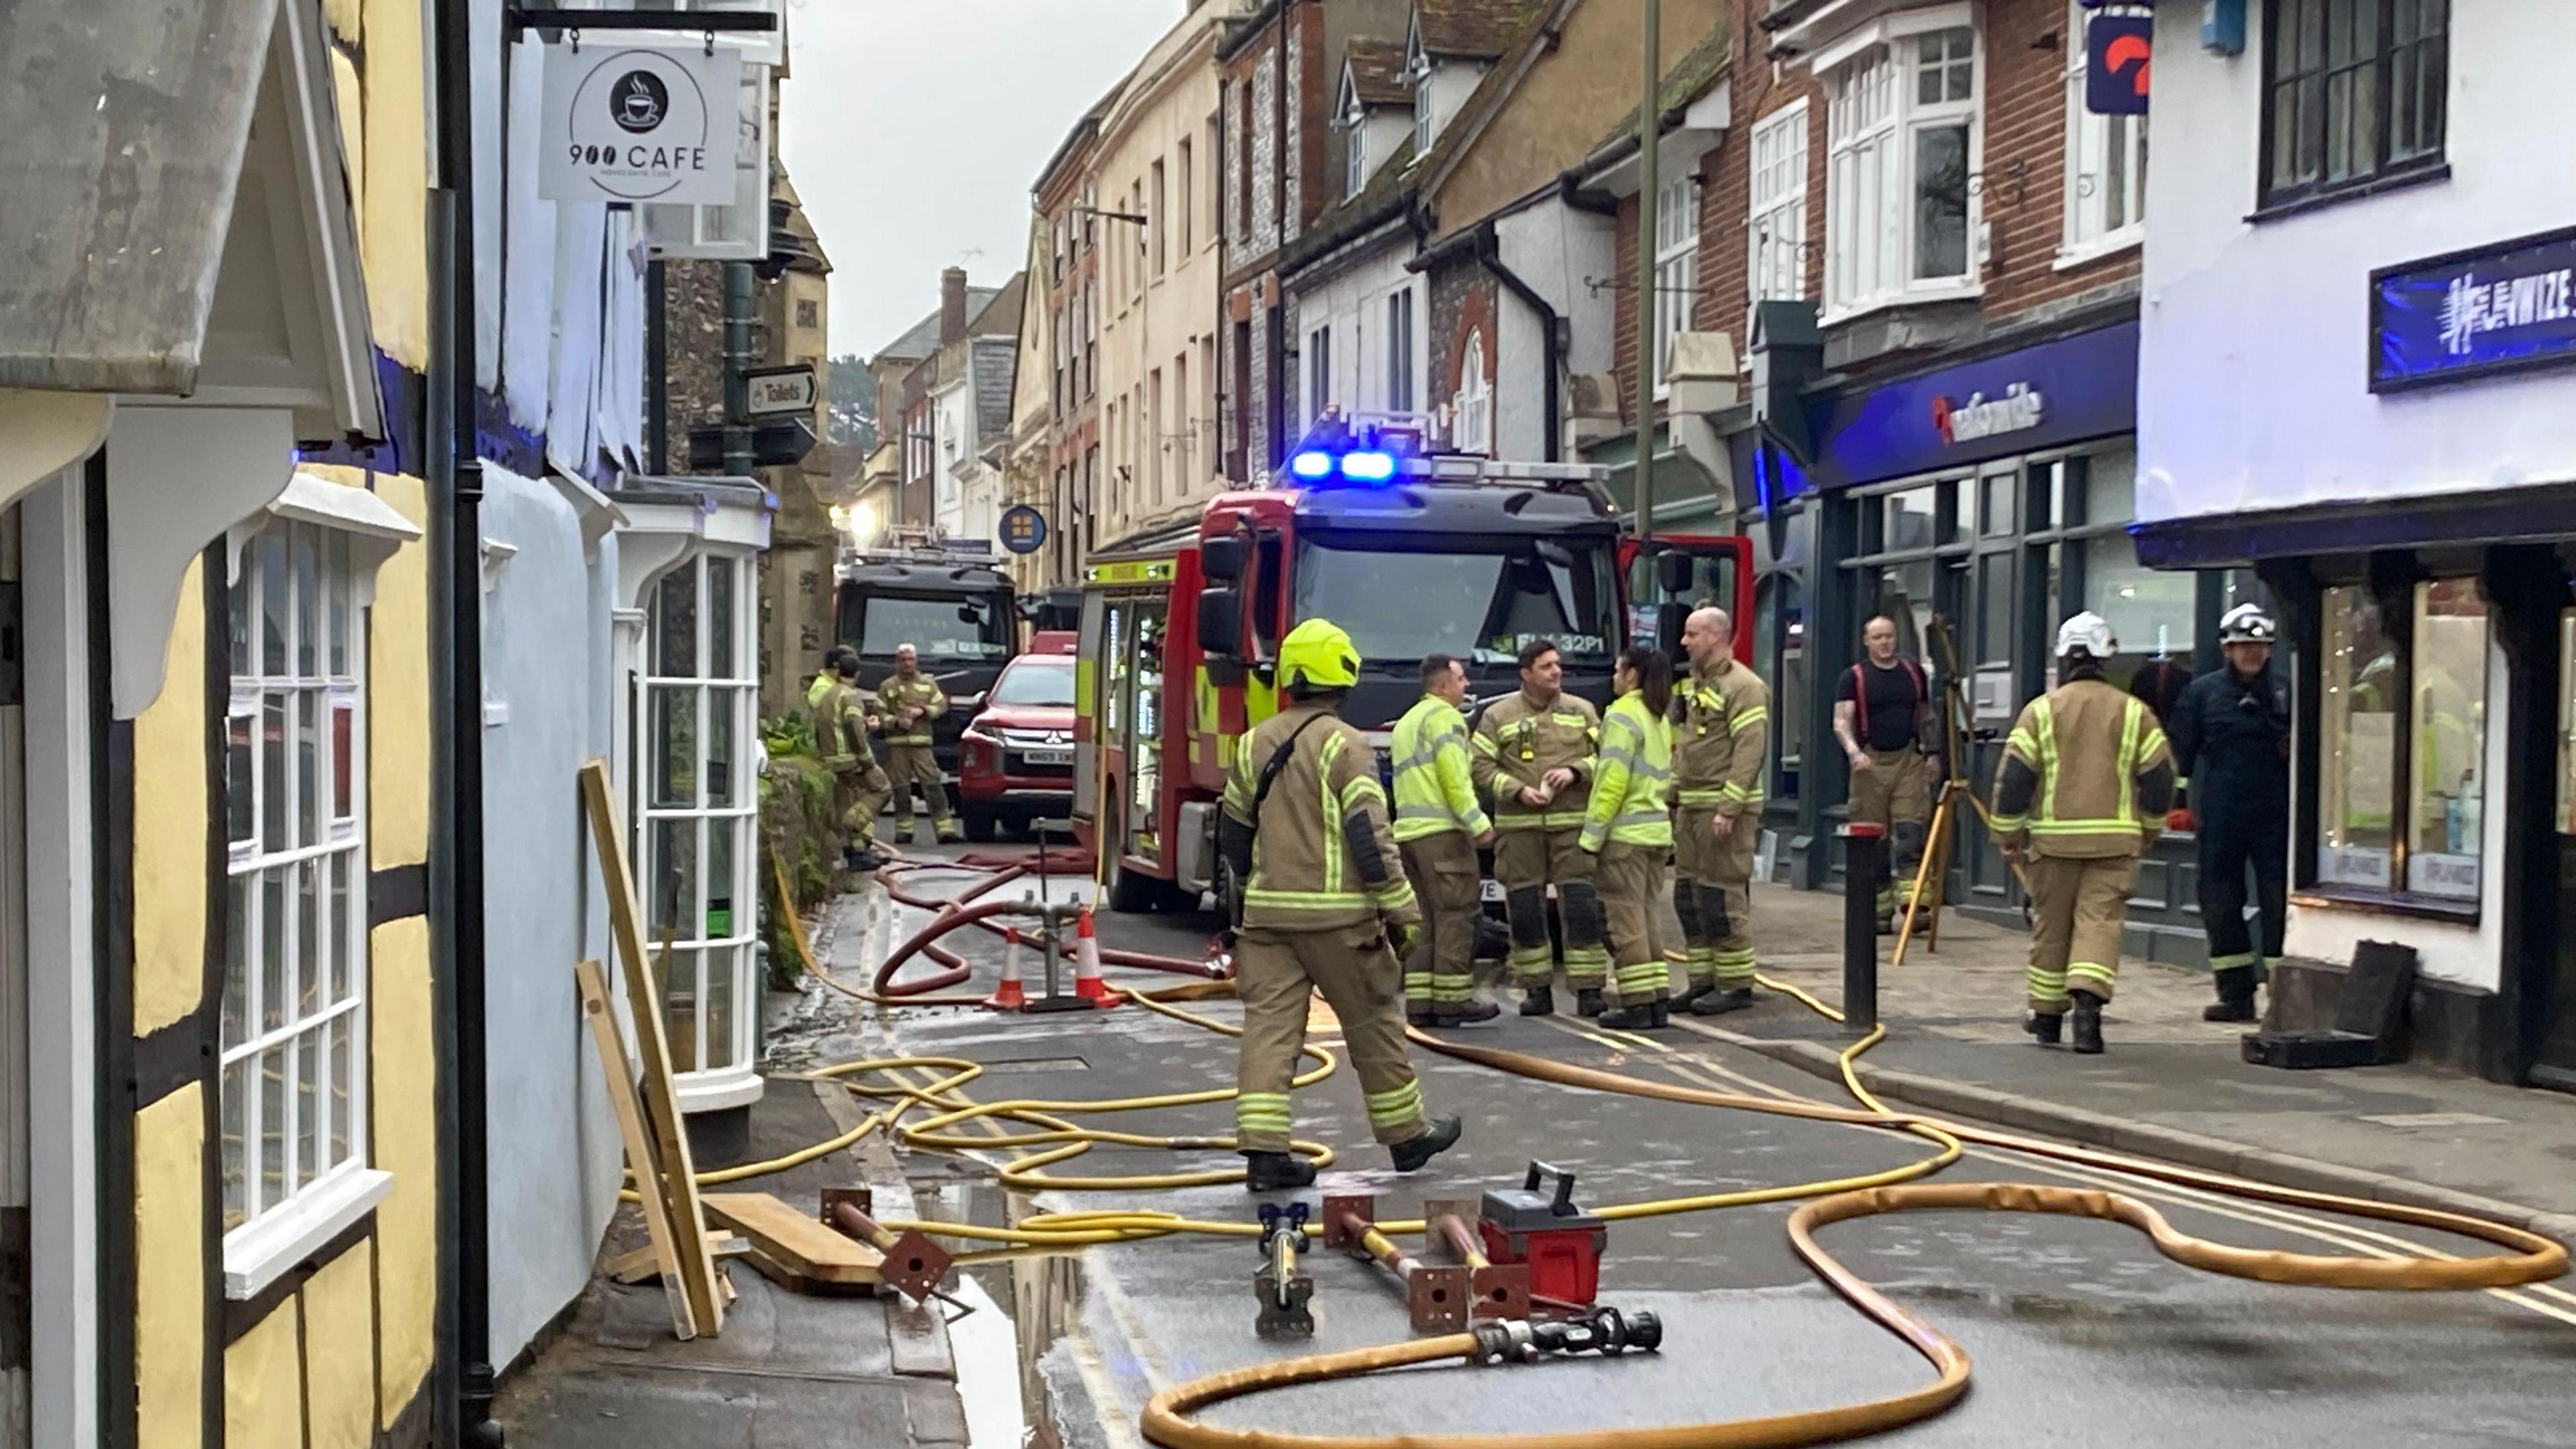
[
  {"x": 169, "y": 1266},
  {"x": 393, "y": 221},
  {"x": 339, "y": 1351},
  {"x": 263, "y": 1402},
  {"x": 398, "y": 693},
  {"x": 170, "y": 827},
  {"x": 406, "y": 1087}
]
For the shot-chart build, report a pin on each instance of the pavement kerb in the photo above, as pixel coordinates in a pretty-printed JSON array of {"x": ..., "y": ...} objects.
[{"x": 2146, "y": 1139}]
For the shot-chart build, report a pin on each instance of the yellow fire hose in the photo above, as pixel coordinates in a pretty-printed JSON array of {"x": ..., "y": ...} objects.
[{"x": 2528, "y": 1257}]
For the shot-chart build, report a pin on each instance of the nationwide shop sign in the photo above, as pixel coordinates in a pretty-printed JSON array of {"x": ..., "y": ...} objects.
[
  {"x": 640, "y": 123},
  {"x": 2066, "y": 391},
  {"x": 2499, "y": 308}
]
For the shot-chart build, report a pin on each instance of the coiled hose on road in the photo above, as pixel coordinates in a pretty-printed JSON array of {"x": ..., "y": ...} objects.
[{"x": 2526, "y": 1258}]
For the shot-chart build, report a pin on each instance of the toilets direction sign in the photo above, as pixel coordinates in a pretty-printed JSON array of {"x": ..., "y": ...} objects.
[{"x": 629, "y": 123}]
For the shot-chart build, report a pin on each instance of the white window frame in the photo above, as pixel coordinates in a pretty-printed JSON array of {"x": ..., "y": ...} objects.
[
  {"x": 1474, "y": 432},
  {"x": 1355, "y": 153},
  {"x": 699, "y": 955},
  {"x": 1874, "y": 117},
  {"x": 323, "y": 541},
  {"x": 2093, "y": 145},
  {"x": 1319, "y": 373},
  {"x": 1422, "y": 113},
  {"x": 1399, "y": 350},
  {"x": 1676, "y": 267},
  {"x": 1775, "y": 216}
]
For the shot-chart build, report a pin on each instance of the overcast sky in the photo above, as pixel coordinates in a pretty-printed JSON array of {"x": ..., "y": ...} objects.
[{"x": 914, "y": 129}]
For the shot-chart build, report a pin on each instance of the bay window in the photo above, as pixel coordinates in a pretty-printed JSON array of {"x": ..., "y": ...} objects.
[
  {"x": 2401, "y": 784},
  {"x": 1902, "y": 125},
  {"x": 1776, "y": 213},
  {"x": 2106, "y": 163},
  {"x": 293, "y": 1054},
  {"x": 698, "y": 844}
]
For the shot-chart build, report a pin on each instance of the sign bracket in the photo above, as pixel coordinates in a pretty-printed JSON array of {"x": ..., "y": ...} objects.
[{"x": 522, "y": 18}]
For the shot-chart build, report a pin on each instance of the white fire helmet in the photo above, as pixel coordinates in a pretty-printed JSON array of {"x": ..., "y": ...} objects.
[
  {"x": 2089, "y": 632},
  {"x": 2248, "y": 624}
]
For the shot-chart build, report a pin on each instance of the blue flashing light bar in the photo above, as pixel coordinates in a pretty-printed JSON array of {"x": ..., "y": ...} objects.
[
  {"x": 1368, "y": 467},
  {"x": 1313, "y": 464}
]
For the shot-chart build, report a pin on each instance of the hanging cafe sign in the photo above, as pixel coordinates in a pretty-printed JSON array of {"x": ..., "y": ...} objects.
[
  {"x": 2505, "y": 307},
  {"x": 633, "y": 123}
]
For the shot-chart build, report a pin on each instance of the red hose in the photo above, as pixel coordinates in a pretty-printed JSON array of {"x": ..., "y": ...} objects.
[
  {"x": 963, "y": 909},
  {"x": 940, "y": 925}
]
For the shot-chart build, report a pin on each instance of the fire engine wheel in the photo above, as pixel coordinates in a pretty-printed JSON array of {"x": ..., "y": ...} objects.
[
  {"x": 980, "y": 825},
  {"x": 1132, "y": 892}
]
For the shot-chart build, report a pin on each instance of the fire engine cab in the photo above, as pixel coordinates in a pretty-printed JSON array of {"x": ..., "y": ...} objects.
[{"x": 1410, "y": 549}]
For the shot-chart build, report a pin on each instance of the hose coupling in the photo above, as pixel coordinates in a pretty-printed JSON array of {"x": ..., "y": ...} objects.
[{"x": 1605, "y": 1331}]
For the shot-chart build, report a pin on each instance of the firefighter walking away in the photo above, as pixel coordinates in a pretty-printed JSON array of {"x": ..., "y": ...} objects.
[
  {"x": 2085, "y": 784},
  {"x": 1324, "y": 907}
]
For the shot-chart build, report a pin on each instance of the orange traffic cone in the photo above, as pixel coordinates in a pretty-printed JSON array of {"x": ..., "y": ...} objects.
[
  {"x": 1086, "y": 965},
  {"x": 1009, "y": 996}
]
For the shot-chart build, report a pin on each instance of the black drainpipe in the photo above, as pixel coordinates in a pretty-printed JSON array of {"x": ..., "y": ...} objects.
[
  {"x": 1489, "y": 250},
  {"x": 454, "y": 474}
]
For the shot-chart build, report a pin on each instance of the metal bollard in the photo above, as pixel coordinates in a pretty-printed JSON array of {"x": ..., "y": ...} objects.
[{"x": 1864, "y": 846}]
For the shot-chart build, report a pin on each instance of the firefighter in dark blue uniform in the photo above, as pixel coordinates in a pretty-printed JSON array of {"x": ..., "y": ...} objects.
[{"x": 2231, "y": 740}]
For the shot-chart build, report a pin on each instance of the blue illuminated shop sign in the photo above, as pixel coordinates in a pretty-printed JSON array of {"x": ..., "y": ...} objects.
[
  {"x": 2499, "y": 308},
  {"x": 2061, "y": 392}
]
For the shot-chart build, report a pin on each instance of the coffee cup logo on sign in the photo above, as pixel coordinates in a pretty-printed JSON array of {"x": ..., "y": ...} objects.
[{"x": 640, "y": 101}]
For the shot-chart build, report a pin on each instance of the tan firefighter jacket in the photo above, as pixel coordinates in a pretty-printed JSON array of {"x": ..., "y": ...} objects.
[
  {"x": 1517, "y": 742},
  {"x": 1321, "y": 855},
  {"x": 898, "y": 694},
  {"x": 1721, "y": 739},
  {"x": 2086, "y": 774}
]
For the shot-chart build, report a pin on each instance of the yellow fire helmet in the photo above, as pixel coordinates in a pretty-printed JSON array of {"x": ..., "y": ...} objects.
[{"x": 1318, "y": 655}]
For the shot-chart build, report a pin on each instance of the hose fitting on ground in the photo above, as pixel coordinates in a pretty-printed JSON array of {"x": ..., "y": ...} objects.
[{"x": 1605, "y": 1331}]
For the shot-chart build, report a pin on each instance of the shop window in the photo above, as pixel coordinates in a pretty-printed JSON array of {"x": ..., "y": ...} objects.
[
  {"x": 293, "y": 1048},
  {"x": 2401, "y": 787},
  {"x": 698, "y": 849},
  {"x": 1907, "y": 520},
  {"x": 2356, "y": 90}
]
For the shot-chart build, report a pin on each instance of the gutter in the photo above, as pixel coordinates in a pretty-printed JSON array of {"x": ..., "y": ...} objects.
[{"x": 454, "y": 475}]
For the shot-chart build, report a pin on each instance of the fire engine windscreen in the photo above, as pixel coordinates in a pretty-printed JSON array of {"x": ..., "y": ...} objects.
[
  {"x": 935, "y": 627},
  {"x": 1479, "y": 598}
]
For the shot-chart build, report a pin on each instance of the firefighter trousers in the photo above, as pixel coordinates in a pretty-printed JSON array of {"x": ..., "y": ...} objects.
[
  {"x": 859, "y": 791},
  {"x": 1894, "y": 792},
  {"x": 1713, "y": 896},
  {"x": 1632, "y": 890},
  {"x": 1442, "y": 869},
  {"x": 1275, "y": 972},
  {"x": 911, "y": 765},
  {"x": 1527, "y": 861},
  {"x": 2077, "y": 909},
  {"x": 2230, "y": 849}
]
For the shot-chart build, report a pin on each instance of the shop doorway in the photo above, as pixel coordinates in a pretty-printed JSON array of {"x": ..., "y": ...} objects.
[{"x": 2554, "y": 1064}]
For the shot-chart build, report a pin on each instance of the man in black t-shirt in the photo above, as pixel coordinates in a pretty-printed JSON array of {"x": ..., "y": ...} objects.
[{"x": 1883, "y": 715}]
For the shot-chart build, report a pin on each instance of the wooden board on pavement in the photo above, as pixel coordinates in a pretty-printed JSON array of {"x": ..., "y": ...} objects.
[
  {"x": 662, "y": 1248},
  {"x": 796, "y": 1242},
  {"x": 678, "y": 1181}
]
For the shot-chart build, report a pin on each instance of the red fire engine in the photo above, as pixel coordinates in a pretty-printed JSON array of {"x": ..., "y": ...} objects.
[{"x": 1411, "y": 552}]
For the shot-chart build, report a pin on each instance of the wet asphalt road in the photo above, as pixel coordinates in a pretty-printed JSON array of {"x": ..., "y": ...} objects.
[{"x": 2081, "y": 1334}]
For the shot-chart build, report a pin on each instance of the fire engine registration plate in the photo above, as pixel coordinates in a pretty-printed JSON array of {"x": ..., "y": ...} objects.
[{"x": 1048, "y": 757}]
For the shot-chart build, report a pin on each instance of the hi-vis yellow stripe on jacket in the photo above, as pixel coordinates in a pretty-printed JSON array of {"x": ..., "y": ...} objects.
[
  {"x": 1434, "y": 792},
  {"x": 920, "y": 692},
  {"x": 1321, "y": 855},
  {"x": 1631, "y": 779},
  {"x": 1721, "y": 738},
  {"x": 2086, "y": 773}
]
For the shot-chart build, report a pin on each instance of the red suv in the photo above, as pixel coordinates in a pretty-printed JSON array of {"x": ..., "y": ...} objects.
[{"x": 1015, "y": 761}]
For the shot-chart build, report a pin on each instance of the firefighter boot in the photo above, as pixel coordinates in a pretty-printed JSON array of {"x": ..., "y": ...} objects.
[
  {"x": 2045, "y": 1026},
  {"x": 1465, "y": 1013},
  {"x": 1276, "y": 1171},
  {"x": 1720, "y": 1000},
  {"x": 1587, "y": 1001},
  {"x": 1652, "y": 1015},
  {"x": 2235, "y": 996},
  {"x": 2088, "y": 1023},
  {"x": 1538, "y": 1001},
  {"x": 1414, "y": 1151},
  {"x": 1420, "y": 1013}
]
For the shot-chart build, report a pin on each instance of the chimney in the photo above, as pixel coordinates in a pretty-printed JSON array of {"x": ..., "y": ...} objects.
[{"x": 952, "y": 305}]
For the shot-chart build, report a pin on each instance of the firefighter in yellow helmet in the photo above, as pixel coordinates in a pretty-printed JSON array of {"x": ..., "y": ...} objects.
[
  {"x": 1324, "y": 907},
  {"x": 2085, "y": 784}
]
